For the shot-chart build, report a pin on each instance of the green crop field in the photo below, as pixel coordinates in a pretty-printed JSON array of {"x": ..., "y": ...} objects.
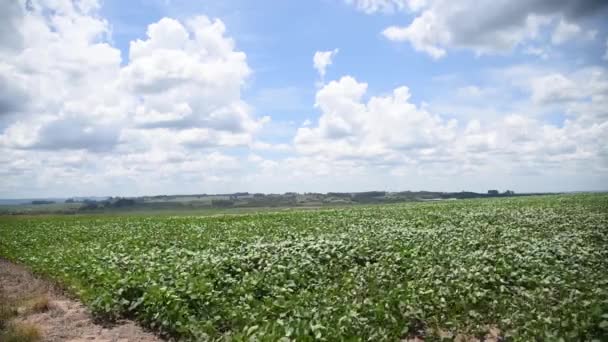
[{"x": 534, "y": 268}]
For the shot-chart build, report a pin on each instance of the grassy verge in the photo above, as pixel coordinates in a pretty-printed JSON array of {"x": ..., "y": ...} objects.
[{"x": 11, "y": 330}]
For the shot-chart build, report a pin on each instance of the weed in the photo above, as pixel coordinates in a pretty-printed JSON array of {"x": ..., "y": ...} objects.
[{"x": 21, "y": 332}]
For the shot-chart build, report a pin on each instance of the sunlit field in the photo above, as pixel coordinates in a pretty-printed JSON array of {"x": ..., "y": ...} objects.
[{"x": 530, "y": 268}]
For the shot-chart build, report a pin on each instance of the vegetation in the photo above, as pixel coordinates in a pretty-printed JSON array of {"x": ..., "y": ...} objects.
[
  {"x": 42, "y": 202},
  {"x": 37, "y": 304},
  {"x": 7, "y": 311},
  {"x": 12, "y": 331},
  {"x": 21, "y": 332},
  {"x": 231, "y": 202},
  {"x": 532, "y": 267}
]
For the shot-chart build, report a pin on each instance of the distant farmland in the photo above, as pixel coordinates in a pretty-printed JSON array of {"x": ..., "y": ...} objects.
[{"x": 527, "y": 267}]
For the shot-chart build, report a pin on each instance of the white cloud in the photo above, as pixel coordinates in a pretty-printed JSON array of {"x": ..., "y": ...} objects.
[
  {"x": 390, "y": 134},
  {"x": 386, "y": 6},
  {"x": 499, "y": 26},
  {"x": 174, "y": 105},
  {"x": 181, "y": 77},
  {"x": 564, "y": 32},
  {"x": 606, "y": 53},
  {"x": 580, "y": 93},
  {"x": 554, "y": 88},
  {"x": 264, "y": 146},
  {"x": 426, "y": 33},
  {"x": 322, "y": 59},
  {"x": 350, "y": 127},
  {"x": 188, "y": 76},
  {"x": 69, "y": 75},
  {"x": 535, "y": 90}
]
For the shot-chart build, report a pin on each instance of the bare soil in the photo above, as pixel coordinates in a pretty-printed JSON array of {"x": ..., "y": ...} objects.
[{"x": 64, "y": 319}]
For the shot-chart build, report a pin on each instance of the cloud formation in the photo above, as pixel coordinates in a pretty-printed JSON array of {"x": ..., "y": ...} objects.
[
  {"x": 171, "y": 114},
  {"x": 381, "y": 127},
  {"x": 322, "y": 59},
  {"x": 181, "y": 77},
  {"x": 388, "y": 131},
  {"x": 177, "y": 96},
  {"x": 498, "y": 26}
]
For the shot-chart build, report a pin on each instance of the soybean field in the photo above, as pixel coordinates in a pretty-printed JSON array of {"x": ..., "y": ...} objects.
[{"x": 531, "y": 268}]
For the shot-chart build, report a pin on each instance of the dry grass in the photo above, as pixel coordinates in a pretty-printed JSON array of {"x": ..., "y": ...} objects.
[
  {"x": 11, "y": 331},
  {"x": 40, "y": 303},
  {"x": 21, "y": 332},
  {"x": 7, "y": 312}
]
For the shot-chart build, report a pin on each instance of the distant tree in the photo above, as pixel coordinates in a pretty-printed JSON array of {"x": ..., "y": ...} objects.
[
  {"x": 369, "y": 196},
  {"x": 509, "y": 192},
  {"x": 339, "y": 194},
  {"x": 221, "y": 203},
  {"x": 39, "y": 202},
  {"x": 89, "y": 205},
  {"x": 461, "y": 195},
  {"x": 70, "y": 200},
  {"x": 493, "y": 192},
  {"x": 123, "y": 202}
]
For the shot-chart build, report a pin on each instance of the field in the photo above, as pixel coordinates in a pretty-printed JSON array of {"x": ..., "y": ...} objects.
[{"x": 532, "y": 268}]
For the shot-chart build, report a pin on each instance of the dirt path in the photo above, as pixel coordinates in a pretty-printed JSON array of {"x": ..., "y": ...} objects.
[{"x": 58, "y": 317}]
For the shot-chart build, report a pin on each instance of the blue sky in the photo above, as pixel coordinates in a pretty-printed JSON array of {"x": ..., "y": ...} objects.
[{"x": 224, "y": 96}]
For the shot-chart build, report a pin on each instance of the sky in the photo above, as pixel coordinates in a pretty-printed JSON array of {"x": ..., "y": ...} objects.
[{"x": 147, "y": 97}]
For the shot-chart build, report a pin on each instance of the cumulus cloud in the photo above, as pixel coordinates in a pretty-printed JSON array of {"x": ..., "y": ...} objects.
[
  {"x": 322, "y": 59},
  {"x": 65, "y": 78},
  {"x": 499, "y": 26},
  {"x": 426, "y": 33},
  {"x": 185, "y": 77},
  {"x": 350, "y": 127},
  {"x": 388, "y": 133},
  {"x": 188, "y": 76},
  {"x": 176, "y": 98}
]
